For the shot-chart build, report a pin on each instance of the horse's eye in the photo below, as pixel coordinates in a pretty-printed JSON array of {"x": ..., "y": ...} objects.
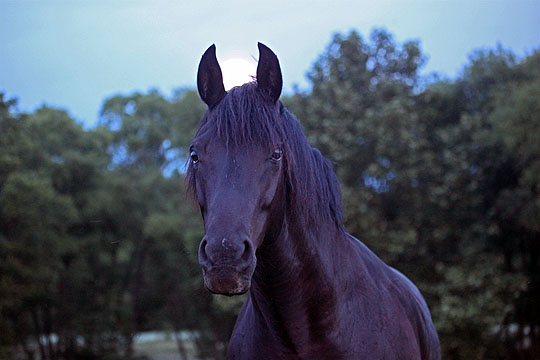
[
  {"x": 194, "y": 157},
  {"x": 277, "y": 154}
]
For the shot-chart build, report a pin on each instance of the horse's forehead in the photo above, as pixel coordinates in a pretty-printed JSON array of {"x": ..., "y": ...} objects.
[{"x": 220, "y": 147}]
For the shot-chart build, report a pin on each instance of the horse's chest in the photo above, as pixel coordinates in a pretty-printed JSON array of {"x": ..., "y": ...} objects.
[{"x": 252, "y": 339}]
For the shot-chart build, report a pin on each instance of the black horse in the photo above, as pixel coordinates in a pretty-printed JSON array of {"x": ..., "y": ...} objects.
[{"x": 271, "y": 206}]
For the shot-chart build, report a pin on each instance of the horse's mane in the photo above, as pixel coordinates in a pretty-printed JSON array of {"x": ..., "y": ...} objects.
[{"x": 245, "y": 116}]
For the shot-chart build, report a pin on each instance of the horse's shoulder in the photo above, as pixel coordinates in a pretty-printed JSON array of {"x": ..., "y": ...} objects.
[
  {"x": 418, "y": 313},
  {"x": 398, "y": 296}
]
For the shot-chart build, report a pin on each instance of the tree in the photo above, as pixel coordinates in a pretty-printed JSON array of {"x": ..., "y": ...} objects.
[{"x": 49, "y": 167}]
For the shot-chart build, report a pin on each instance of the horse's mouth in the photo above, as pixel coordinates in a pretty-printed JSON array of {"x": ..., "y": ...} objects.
[{"x": 226, "y": 281}]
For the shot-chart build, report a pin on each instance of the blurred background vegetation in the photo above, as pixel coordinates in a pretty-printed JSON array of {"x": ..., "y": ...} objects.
[{"x": 441, "y": 178}]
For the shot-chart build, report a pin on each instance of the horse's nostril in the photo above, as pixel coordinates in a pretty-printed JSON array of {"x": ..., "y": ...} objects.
[
  {"x": 246, "y": 255},
  {"x": 202, "y": 251}
]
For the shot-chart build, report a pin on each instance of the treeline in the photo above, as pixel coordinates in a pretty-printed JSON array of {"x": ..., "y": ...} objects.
[{"x": 441, "y": 178}]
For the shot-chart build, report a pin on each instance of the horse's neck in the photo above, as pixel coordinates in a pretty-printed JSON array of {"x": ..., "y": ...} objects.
[{"x": 295, "y": 283}]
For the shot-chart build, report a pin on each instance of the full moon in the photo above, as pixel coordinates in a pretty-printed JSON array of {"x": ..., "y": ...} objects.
[{"x": 236, "y": 72}]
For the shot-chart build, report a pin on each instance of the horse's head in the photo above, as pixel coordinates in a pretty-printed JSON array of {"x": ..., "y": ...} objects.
[{"x": 236, "y": 170}]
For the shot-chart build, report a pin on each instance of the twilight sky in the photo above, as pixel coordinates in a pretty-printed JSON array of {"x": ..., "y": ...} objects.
[{"x": 74, "y": 53}]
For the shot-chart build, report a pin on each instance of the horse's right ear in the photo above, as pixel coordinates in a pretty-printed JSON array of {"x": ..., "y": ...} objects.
[{"x": 210, "y": 79}]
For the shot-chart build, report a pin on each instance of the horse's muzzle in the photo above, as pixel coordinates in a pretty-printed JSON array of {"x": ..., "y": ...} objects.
[
  {"x": 226, "y": 281},
  {"x": 227, "y": 265}
]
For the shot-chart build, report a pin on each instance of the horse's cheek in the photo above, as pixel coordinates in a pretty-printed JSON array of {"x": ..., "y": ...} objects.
[
  {"x": 269, "y": 184},
  {"x": 201, "y": 196}
]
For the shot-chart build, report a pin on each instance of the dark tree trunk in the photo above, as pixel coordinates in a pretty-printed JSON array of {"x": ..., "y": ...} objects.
[
  {"x": 38, "y": 331},
  {"x": 138, "y": 282},
  {"x": 182, "y": 352}
]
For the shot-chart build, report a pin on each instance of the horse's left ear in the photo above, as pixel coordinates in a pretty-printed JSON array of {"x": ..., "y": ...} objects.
[{"x": 269, "y": 79}]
